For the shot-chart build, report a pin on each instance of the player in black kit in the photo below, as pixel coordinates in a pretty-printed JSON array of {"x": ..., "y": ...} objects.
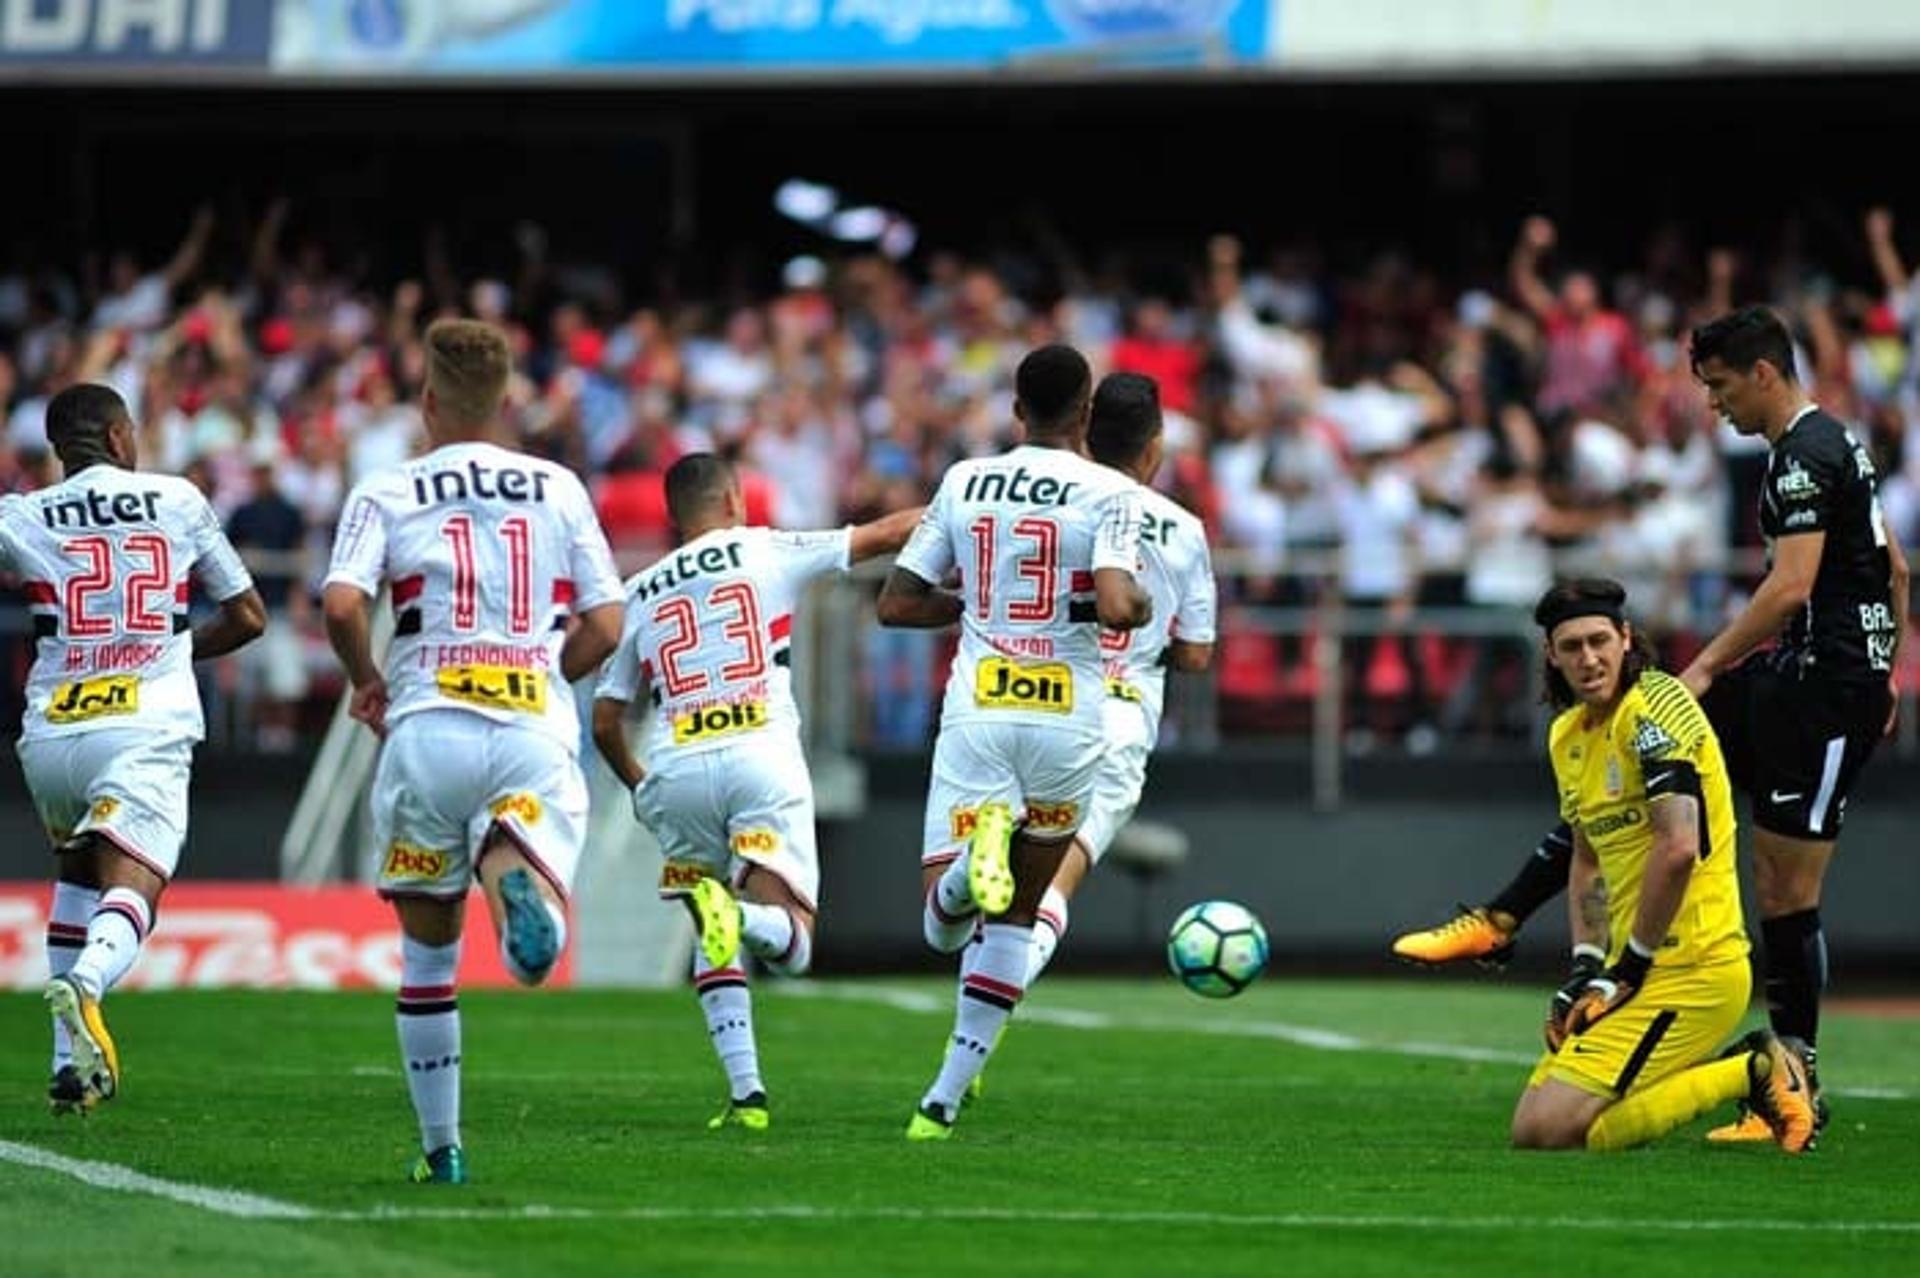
[{"x": 1798, "y": 720}]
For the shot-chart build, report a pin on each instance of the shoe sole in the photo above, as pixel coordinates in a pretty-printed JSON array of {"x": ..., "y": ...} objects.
[
  {"x": 94, "y": 1054},
  {"x": 719, "y": 922},
  {"x": 989, "y": 875},
  {"x": 531, "y": 936}
]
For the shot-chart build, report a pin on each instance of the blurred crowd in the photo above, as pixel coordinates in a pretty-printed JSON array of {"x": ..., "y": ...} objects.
[{"x": 1423, "y": 449}]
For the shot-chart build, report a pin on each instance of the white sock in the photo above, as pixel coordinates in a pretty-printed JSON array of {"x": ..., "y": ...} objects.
[
  {"x": 73, "y": 906},
  {"x": 948, "y": 926},
  {"x": 988, "y": 996},
  {"x": 1050, "y": 925},
  {"x": 427, "y": 1014},
  {"x": 522, "y": 975},
  {"x": 970, "y": 956},
  {"x": 119, "y": 924},
  {"x": 952, "y": 891},
  {"x": 776, "y": 938},
  {"x": 728, "y": 1003}
]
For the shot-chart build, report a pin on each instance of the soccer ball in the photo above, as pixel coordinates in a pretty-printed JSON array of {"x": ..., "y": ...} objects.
[{"x": 1216, "y": 948}]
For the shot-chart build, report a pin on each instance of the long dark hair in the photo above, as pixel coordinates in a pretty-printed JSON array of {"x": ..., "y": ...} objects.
[{"x": 1591, "y": 596}]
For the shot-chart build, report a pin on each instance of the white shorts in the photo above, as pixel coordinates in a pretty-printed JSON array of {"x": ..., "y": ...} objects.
[
  {"x": 1122, "y": 776},
  {"x": 1046, "y": 775},
  {"x": 720, "y": 813},
  {"x": 447, "y": 779},
  {"x": 123, "y": 784}
]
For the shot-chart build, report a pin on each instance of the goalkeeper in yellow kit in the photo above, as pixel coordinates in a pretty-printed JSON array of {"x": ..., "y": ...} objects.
[{"x": 1660, "y": 972}]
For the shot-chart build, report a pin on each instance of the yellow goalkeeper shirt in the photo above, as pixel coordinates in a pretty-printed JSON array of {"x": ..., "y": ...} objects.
[{"x": 1656, "y": 743}]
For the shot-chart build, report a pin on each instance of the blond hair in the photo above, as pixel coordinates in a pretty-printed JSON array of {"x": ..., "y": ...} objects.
[{"x": 468, "y": 364}]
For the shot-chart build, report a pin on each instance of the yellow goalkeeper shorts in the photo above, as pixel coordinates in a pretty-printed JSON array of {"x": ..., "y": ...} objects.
[{"x": 1678, "y": 1019}]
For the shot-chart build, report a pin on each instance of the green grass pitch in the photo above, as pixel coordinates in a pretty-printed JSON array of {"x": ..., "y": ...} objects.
[{"x": 1128, "y": 1128}]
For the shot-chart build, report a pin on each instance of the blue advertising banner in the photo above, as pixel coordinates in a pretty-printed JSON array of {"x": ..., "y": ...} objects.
[
  {"x": 135, "y": 34},
  {"x": 548, "y": 37}
]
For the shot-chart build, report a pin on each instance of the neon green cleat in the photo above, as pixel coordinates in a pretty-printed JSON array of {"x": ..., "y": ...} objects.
[
  {"x": 446, "y": 1165},
  {"x": 95, "y": 1058},
  {"x": 989, "y": 875},
  {"x": 719, "y": 916},
  {"x": 749, "y": 1113},
  {"x": 926, "y": 1124}
]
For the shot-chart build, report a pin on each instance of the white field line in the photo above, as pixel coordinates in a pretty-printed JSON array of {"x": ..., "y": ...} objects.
[
  {"x": 1309, "y": 1036},
  {"x": 225, "y": 1202}
]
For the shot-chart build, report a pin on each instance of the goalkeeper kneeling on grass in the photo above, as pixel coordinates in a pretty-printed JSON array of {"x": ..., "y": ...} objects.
[{"x": 1660, "y": 973}]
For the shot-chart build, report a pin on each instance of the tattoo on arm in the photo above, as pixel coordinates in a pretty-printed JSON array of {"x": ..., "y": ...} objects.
[{"x": 1593, "y": 906}]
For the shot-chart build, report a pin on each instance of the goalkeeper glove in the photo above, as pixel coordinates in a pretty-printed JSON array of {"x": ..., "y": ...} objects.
[
  {"x": 1588, "y": 962},
  {"x": 1608, "y": 992}
]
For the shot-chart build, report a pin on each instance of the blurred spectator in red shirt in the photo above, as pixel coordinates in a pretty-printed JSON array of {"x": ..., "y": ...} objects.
[
  {"x": 1591, "y": 353},
  {"x": 1152, "y": 347}
]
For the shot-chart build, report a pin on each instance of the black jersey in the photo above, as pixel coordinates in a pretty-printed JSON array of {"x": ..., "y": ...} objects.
[{"x": 1820, "y": 479}]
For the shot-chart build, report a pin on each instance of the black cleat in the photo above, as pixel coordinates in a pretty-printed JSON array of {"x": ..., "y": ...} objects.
[{"x": 67, "y": 1093}]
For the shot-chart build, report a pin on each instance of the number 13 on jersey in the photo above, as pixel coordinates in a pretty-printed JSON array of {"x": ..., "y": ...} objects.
[{"x": 1039, "y": 565}]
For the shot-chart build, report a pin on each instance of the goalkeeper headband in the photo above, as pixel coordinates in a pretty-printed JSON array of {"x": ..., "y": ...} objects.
[{"x": 1553, "y": 612}]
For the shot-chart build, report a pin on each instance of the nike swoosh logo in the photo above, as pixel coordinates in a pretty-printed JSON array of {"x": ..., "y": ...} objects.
[
  {"x": 1793, "y": 1078},
  {"x": 1777, "y": 797}
]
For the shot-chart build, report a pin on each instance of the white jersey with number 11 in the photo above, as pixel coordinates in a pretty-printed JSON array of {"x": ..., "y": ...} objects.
[{"x": 488, "y": 552}]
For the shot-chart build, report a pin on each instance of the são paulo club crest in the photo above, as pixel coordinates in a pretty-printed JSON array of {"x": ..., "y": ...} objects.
[{"x": 1119, "y": 19}]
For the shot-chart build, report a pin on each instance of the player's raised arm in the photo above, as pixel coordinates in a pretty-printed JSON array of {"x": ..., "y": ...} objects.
[
  {"x": 909, "y": 601},
  {"x": 886, "y": 535},
  {"x": 912, "y": 598}
]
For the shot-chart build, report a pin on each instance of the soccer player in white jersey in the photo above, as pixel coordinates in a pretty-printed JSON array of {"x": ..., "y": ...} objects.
[
  {"x": 1177, "y": 572},
  {"x": 1046, "y": 543},
  {"x": 504, "y": 591},
  {"x": 113, "y": 711},
  {"x": 726, "y": 791}
]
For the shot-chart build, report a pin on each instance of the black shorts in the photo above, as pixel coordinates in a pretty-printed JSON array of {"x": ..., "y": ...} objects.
[{"x": 1794, "y": 743}]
